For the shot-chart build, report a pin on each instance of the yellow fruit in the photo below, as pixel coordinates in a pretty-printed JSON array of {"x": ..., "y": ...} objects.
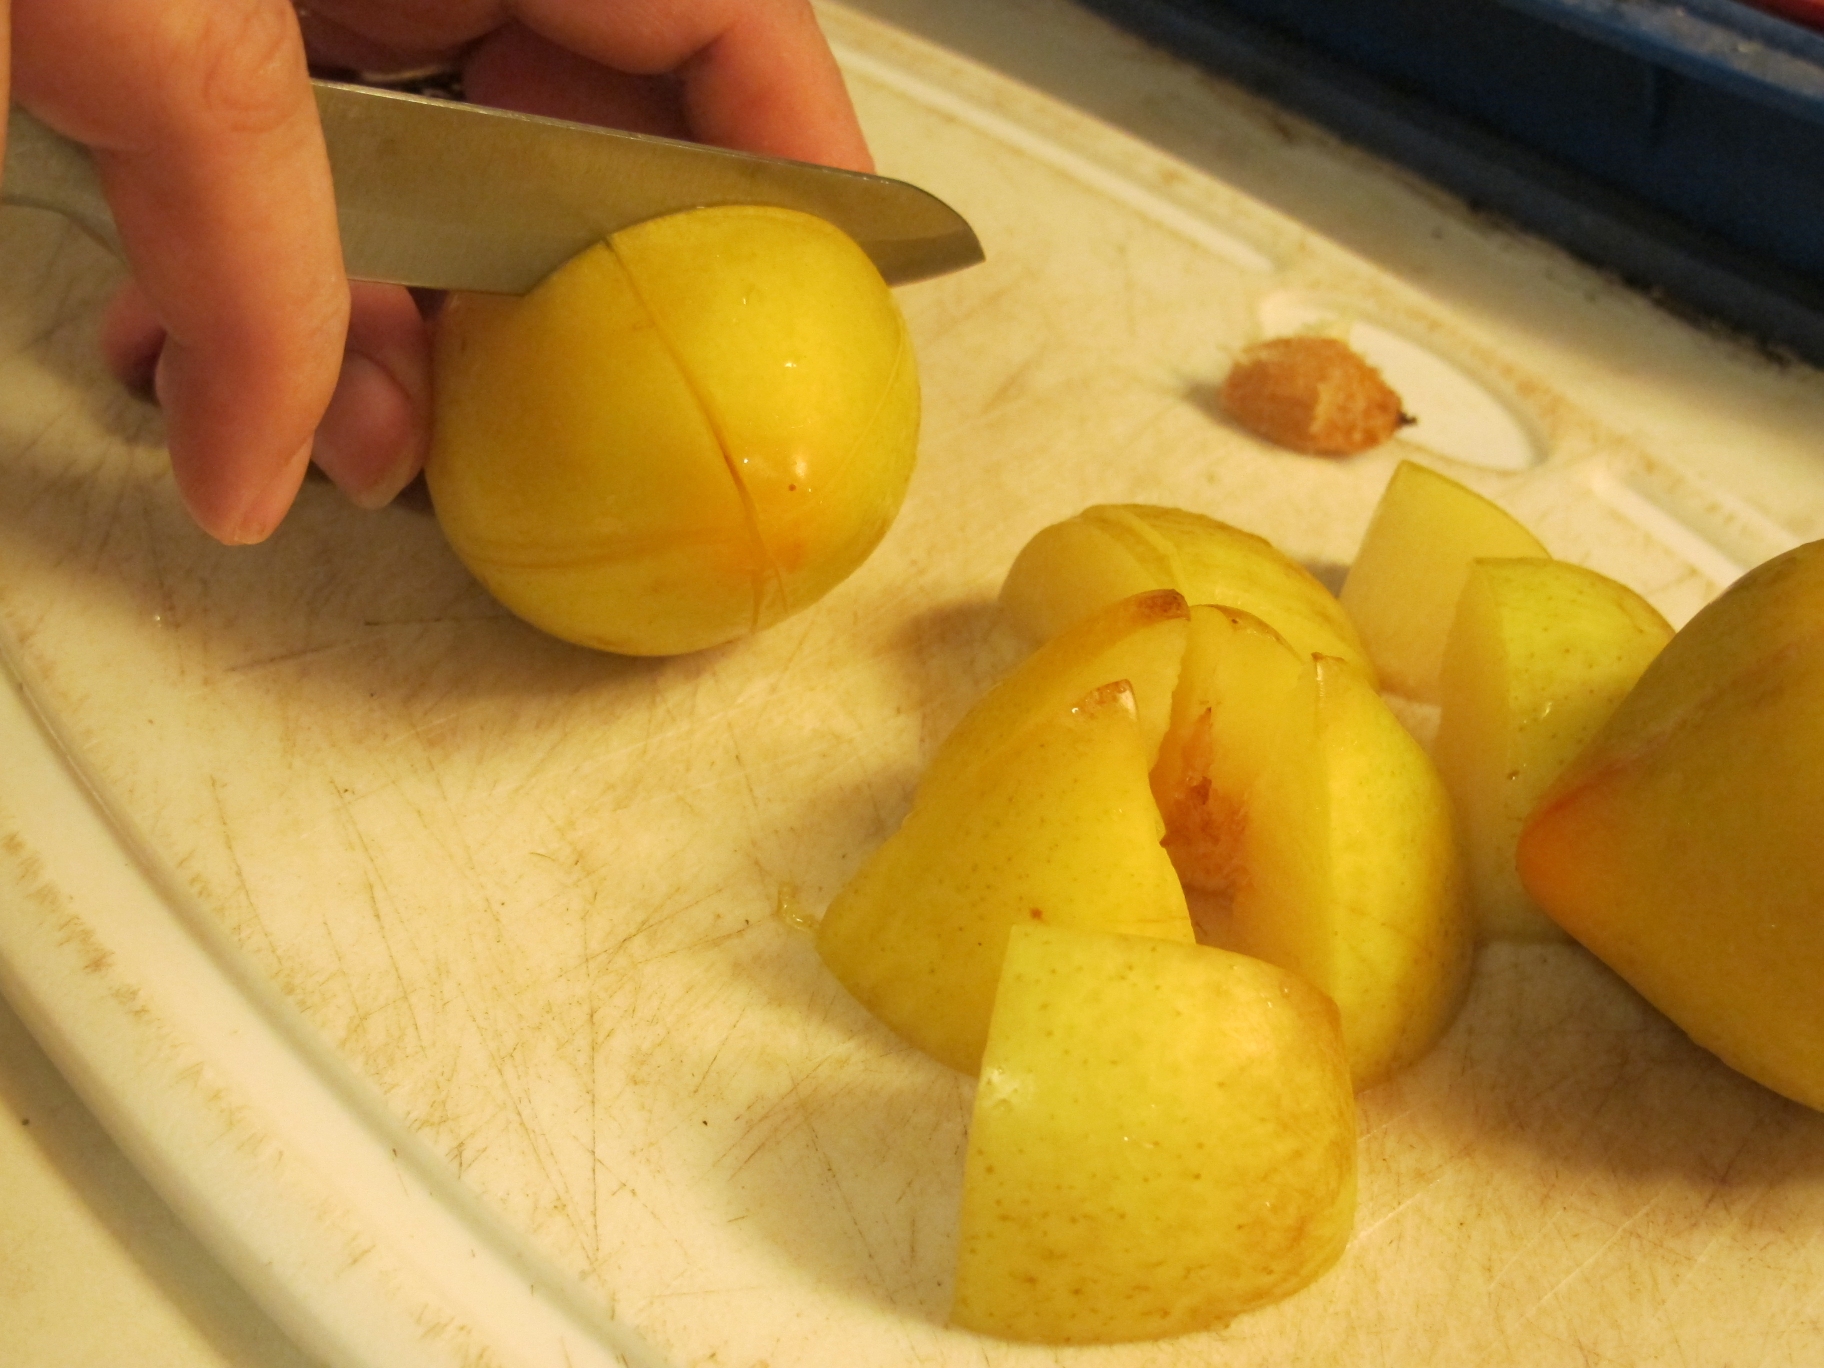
[
  {"x": 1110, "y": 551},
  {"x": 1540, "y": 653},
  {"x": 1314, "y": 833},
  {"x": 1054, "y": 826},
  {"x": 1682, "y": 845},
  {"x": 1403, "y": 944},
  {"x": 1239, "y": 779},
  {"x": 681, "y": 436},
  {"x": 1401, "y": 593},
  {"x": 1139, "y": 639},
  {"x": 1163, "y": 1138}
]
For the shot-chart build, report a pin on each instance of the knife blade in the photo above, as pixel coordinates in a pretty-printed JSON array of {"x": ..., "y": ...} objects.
[{"x": 446, "y": 195}]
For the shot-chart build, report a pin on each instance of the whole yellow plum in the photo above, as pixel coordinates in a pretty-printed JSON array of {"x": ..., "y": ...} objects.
[
  {"x": 1682, "y": 845},
  {"x": 683, "y": 435}
]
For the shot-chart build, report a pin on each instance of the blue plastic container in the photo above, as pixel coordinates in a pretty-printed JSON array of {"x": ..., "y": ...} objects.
[{"x": 1679, "y": 144}]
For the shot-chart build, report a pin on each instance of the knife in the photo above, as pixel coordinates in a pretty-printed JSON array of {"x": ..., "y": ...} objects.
[{"x": 446, "y": 195}]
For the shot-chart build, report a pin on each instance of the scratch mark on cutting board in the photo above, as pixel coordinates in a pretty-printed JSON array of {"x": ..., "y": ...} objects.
[
  {"x": 113, "y": 522},
  {"x": 1550, "y": 1198},
  {"x": 436, "y": 721},
  {"x": 715, "y": 1054},
  {"x": 1014, "y": 381},
  {"x": 446, "y": 828},
  {"x": 288, "y": 657},
  {"x": 534, "y": 1135},
  {"x": 729, "y": 1290},
  {"x": 1748, "y": 1141},
  {"x": 592, "y": 1098},
  {"x": 358, "y": 1022},
  {"x": 833, "y": 1173},
  {"x": 67, "y": 312},
  {"x": 240, "y": 873},
  {"x": 656, "y": 1220},
  {"x": 1803, "y": 1315},
  {"x": 376, "y": 886},
  {"x": 542, "y": 1153},
  {"x": 1425, "y": 1187},
  {"x": 28, "y": 446},
  {"x": 987, "y": 304},
  {"x": 784, "y": 681},
  {"x": 448, "y": 824},
  {"x": 1586, "y": 1263},
  {"x": 650, "y": 921},
  {"x": 785, "y": 1113}
]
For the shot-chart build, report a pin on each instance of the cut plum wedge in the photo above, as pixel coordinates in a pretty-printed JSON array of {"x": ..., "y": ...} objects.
[
  {"x": 1313, "y": 832},
  {"x": 1163, "y": 1138},
  {"x": 1401, "y": 593},
  {"x": 1540, "y": 654},
  {"x": 1055, "y": 826},
  {"x": 1113, "y": 550},
  {"x": 1275, "y": 788},
  {"x": 1138, "y": 639}
]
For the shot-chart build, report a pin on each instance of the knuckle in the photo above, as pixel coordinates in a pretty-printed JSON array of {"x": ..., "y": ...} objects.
[{"x": 246, "y": 59}]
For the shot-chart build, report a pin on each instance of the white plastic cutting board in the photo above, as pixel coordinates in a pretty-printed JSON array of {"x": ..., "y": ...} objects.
[{"x": 455, "y": 984}]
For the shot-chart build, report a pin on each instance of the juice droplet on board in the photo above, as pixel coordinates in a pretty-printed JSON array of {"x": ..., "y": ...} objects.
[{"x": 791, "y": 911}]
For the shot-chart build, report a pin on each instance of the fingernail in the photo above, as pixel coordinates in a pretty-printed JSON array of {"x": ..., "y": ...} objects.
[
  {"x": 267, "y": 509},
  {"x": 209, "y": 487},
  {"x": 367, "y": 441}
]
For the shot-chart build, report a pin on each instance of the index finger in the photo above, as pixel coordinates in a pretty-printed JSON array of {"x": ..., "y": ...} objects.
[
  {"x": 758, "y": 75},
  {"x": 205, "y": 135}
]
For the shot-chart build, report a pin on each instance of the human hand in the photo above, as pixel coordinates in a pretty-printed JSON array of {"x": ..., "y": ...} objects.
[{"x": 204, "y": 130}]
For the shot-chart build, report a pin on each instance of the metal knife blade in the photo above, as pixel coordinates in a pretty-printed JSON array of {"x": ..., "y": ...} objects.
[{"x": 453, "y": 196}]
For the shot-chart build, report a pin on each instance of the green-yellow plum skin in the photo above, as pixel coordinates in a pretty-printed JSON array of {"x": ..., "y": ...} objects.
[
  {"x": 683, "y": 435},
  {"x": 1163, "y": 1138}
]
